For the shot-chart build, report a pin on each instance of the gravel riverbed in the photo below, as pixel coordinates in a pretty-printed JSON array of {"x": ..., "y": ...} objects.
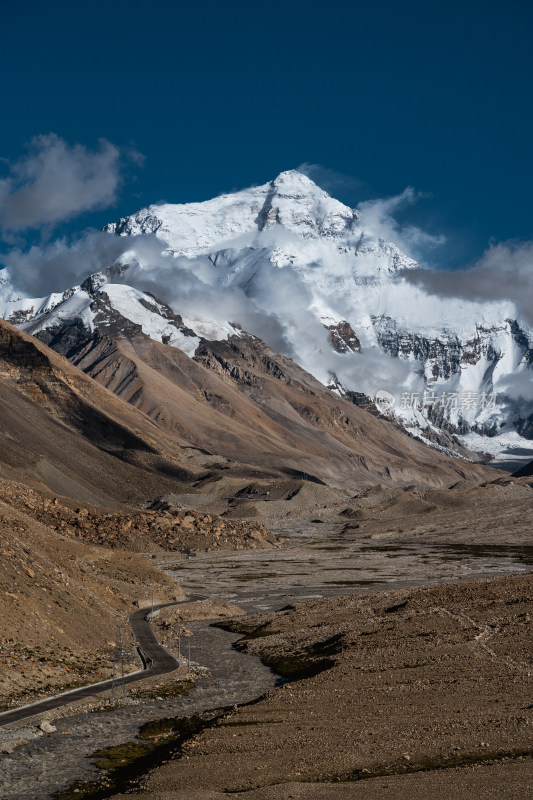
[
  {"x": 54, "y": 760},
  {"x": 316, "y": 561}
]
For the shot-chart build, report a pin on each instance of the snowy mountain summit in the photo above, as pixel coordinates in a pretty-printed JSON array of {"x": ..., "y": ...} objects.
[
  {"x": 291, "y": 200},
  {"x": 310, "y": 276},
  {"x": 291, "y": 212}
]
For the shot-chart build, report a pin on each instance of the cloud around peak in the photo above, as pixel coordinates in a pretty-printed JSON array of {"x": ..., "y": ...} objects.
[
  {"x": 55, "y": 182},
  {"x": 504, "y": 272},
  {"x": 379, "y": 217}
]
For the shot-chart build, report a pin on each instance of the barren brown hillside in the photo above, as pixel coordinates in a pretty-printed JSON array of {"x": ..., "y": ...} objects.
[
  {"x": 61, "y": 600},
  {"x": 247, "y": 413},
  {"x": 241, "y": 400},
  {"x": 61, "y": 430}
]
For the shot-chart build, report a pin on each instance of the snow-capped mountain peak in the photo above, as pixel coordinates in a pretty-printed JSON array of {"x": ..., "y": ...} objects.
[
  {"x": 291, "y": 201},
  {"x": 309, "y": 275}
]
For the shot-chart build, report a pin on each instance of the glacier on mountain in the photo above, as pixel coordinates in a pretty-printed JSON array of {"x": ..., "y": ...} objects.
[{"x": 296, "y": 267}]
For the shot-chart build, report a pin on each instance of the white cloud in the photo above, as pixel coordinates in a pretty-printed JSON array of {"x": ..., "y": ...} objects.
[
  {"x": 518, "y": 386},
  {"x": 276, "y": 307},
  {"x": 274, "y": 304},
  {"x": 329, "y": 179},
  {"x": 61, "y": 264},
  {"x": 56, "y": 181},
  {"x": 504, "y": 272},
  {"x": 378, "y": 217}
]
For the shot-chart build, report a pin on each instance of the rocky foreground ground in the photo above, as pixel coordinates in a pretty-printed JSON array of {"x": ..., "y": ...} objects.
[
  {"x": 416, "y": 693},
  {"x": 161, "y": 526},
  {"x": 68, "y": 577}
]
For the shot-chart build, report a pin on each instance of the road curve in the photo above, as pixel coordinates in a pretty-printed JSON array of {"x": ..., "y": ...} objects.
[{"x": 156, "y": 660}]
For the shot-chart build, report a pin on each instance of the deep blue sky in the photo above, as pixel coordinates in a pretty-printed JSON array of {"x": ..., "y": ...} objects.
[{"x": 220, "y": 95}]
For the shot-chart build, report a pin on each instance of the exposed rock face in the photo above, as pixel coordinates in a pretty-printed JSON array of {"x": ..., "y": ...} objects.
[
  {"x": 65, "y": 338},
  {"x": 441, "y": 355},
  {"x": 350, "y": 306},
  {"x": 445, "y": 355},
  {"x": 342, "y": 338},
  {"x": 60, "y": 429}
]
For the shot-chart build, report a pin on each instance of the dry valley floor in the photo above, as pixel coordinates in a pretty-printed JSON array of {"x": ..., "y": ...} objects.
[{"x": 418, "y": 693}]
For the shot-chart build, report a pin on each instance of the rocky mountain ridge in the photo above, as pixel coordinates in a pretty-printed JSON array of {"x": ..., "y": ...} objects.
[{"x": 312, "y": 277}]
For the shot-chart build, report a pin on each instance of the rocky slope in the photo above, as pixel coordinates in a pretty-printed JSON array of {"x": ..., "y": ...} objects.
[
  {"x": 393, "y": 695},
  {"x": 258, "y": 411},
  {"x": 161, "y": 527},
  {"x": 78, "y": 466},
  {"x": 61, "y": 598},
  {"x": 61, "y": 430},
  {"x": 319, "y": 283}
]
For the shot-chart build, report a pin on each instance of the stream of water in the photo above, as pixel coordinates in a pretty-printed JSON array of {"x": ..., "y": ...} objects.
[
  {"x": 315, "y": 561},
  {"x": 319, "y": 561}
]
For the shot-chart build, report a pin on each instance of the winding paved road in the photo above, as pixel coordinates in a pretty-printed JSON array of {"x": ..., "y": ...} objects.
[{"x": 156, "y": 660}]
